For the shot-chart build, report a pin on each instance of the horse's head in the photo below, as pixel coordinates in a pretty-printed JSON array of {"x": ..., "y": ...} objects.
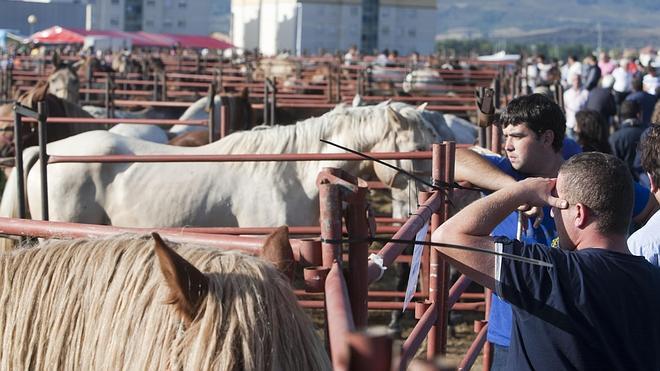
[
  {"x": 241, "y": 299},
  {"x": 124, "y": 63},
  {"x": 29, "y": 136},
  {"x": 64, "y": 83},
  {"x": 407, "y": 131}
]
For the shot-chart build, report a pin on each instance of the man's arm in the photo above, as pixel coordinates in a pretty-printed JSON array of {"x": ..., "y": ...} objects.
[
  {"x": 472, "y": 226},
  {"x": 471, "y": 167},
  {"x": 650, "y": 208}
]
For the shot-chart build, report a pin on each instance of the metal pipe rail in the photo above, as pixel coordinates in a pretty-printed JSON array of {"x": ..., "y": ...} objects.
[{"x": 241, "y": 157}]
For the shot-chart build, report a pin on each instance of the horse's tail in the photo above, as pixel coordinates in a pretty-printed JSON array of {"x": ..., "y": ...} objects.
[{"x": 9, "y": 202}]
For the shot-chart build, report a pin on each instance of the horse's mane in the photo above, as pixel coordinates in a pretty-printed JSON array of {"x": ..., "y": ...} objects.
[
  {"x": 99, "y": 304},
  {"x": 36, "y": 93},
  {"x": 353, "y": 127}
]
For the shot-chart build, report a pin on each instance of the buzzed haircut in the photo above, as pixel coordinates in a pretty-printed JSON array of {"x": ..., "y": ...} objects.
[
  {"x": 629, "y": 109},
  {"x": 540, "y": 113},
  {"x": 649, "y": 149},
  {"x": 603, "y": 184}
]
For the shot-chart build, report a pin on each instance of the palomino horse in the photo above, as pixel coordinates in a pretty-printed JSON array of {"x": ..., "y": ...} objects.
[
  {"x": 138, "y": 303},
  {"x": 221, "y": 194},
  {"x": 64, "y": 82},
  {"x": 56, "y": 107}
]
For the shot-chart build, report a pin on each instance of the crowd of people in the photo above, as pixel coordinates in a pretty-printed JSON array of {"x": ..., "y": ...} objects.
[
  {"x": 596, "y": 307},
  {"x": 608, "y": 103}
]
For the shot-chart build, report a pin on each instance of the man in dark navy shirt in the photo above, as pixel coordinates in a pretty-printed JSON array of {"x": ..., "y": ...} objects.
[
  {"x": 533, "y": 128},
  {"x": 596, "y": 308}
]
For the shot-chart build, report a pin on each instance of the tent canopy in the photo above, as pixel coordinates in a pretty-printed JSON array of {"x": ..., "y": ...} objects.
[{"x": 61, "y": 35}]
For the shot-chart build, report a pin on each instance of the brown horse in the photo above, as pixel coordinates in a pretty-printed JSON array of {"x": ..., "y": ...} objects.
[
  {"x": 139, "y": 303},
  {"x": 55, "y": 107},
  {"x": 240, "y": 118}
]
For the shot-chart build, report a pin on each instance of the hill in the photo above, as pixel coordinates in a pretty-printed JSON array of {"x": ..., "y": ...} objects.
[{"x": 622, "y": 23}]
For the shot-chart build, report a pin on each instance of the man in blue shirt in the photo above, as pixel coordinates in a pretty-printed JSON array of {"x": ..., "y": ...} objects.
[
  {"x": 533, "y": 128},
  {"x": 596, "y": 307},
  {"x": 645, "y": 100}
]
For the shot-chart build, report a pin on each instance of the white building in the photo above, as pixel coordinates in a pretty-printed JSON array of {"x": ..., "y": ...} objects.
[
  {"x": 192, "y": 17},
  {"x": 314, "y": 25}
]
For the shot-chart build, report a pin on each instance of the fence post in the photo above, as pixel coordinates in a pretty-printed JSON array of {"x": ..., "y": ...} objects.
[
  {"x": 163, "y": 85},
  {"x": 358, "y": 252},
  {"x": 18, "y": 145},
  {"x": 43, "y": 158},
  {"x": 210, "y": 108},
  {"x": 154, "y": 91},
  {"x": 109, "y": 95},
  {"x": 273, "y": 103},
  {"x": 443, "y": 168},
  {"x": 266, "y": 95}
]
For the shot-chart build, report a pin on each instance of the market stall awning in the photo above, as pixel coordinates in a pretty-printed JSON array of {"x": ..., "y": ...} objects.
[
  {"x": 57, "y": 35},
  {"x": 61, "y": 35}
]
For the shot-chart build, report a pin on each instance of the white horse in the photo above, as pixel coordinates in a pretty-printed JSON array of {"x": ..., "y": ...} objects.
[
  {"x": 423, "y": 81},
  {"x": 221, "y": 194},
  {"x": 154, "y": 133}
]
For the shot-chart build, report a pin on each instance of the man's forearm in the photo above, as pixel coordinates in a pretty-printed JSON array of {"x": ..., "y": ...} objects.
[
  {"x": 471, "y": 167},
  {"x": 482, "y": 216}
]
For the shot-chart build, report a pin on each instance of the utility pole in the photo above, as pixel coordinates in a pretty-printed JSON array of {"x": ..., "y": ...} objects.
[{"x": 600, "y": 37}]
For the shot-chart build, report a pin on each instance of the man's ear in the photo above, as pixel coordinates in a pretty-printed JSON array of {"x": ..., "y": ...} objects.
[
  {"x": 582, "y": 213},
  {"x": 548, "y": 137},
  {"x": 654, "y": 186}
]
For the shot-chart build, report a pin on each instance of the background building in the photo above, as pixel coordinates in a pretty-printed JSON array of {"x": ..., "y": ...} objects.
[
  {"x": 14, "y": 15},
  {"x": 312, "y": 26},
  {"x": 191, "y": 17}
]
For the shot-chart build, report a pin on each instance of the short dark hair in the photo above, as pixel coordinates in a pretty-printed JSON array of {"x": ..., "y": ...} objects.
[
  {"x": 592, "y": 131},
  {"x": 629, "y": 109},
  {"x": 637, "y": 84},
  {"x": 649, "y": 149},
  {"x": 603, "y": 183},
  {"x": 540, "y": 113}
]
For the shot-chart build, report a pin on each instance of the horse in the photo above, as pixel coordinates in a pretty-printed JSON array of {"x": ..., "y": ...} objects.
[
  {"x": 64, "y": 82},
  {"x": 238, "y": 104},
  {"x": 127, "y": 302},
  {"x": 423, "y": 81},
  {"x": 220, "y": 194},
  {"x": 56, "y": 107}
]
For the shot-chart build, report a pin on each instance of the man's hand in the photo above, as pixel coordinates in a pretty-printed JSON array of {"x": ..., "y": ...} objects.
[
  {"x": 537, "y": 192},
  {"x": 532, "y": 212}
]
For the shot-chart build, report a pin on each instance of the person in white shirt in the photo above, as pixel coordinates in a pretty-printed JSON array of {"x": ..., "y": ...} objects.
[
  {"x": 574, "y": 67},
  {"x": 646, "y": 241},
  {"x": 650, "y": 80},
  {"x": 622, "y": 81},
  {"x": 575, "y": 99}
]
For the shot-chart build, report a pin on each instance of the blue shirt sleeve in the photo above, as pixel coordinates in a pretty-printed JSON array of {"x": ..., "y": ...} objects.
[
  {"x": 570, "y": 148},
  {"x": 641, "y": 199}
]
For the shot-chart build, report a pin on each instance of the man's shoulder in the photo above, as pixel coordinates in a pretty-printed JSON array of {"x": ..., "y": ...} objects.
[{"x": 647, "y": 237}]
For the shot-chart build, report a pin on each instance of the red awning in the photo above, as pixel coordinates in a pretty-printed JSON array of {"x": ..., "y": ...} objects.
[
  {"x": 57, "y": 35},
  {"x": 60, "y": 35},
  {"x": 194, "y": 41}
]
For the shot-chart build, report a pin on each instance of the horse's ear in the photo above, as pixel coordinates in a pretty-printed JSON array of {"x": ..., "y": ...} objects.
[
  {"x": 77, "y": 64},
  {"x": 357, "y": 100},
  {"x": 384, "y": 103},
  {"x": 188, "y": 286},
  {"x": 422, "y": 106},
  {"x": 56, "y": 60},
  {"x": 393, "y": 115},
  {"x": 277, "y": 249},
  {"x": 39, "y": 92}
]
